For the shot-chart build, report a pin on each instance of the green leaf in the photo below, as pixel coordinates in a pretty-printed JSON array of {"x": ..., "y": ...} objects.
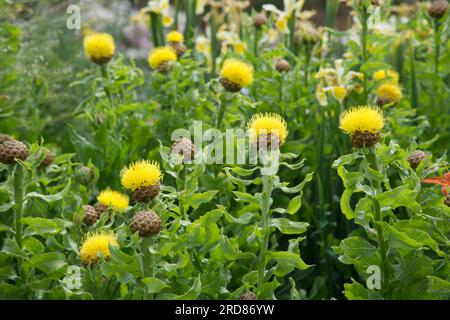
[
  {"x": 295, "y": 204},
  {"x": 287, "y": 226},
  {"x": 5, "y": 228},
  {"x": 10, "y": 247},
  {"x": 245, "y": 197},
  {"x": 288, "y": 259},
  {"x": 354, "y": 250},
  {"x": 154, "y": 285},
  {"x": 197, "y": 199},
  {"x": 50, "y": 198},
  {"x": 33, "y": 246},
  {"x": 298, "y": 188},
  {"x": 225, "y": 250},
  {"x": 40, "y": 226},
  {"x": 237, "y": 180},
  {"x": 243, "y": 219},
  {"x": 399, "y": 197},
  {"x": 49, "y": 262},
  {"x": 438, "y": 288}
]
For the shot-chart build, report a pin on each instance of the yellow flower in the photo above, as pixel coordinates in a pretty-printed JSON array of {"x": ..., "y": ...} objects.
[
  {"x": 175, "y": 36},
  {"x": 160, "y": 56},
  {"x": 339, "y": 93},
  {"x": 239, "y": 47},
  {"x": 282, "y": 24},
  {"x": 269, "y": 124},
  {"x": 390, "y": 92},
  {"x": 390, "y": 75},
  {"x": 114, "y": 200},
  {"x": 237, "y": 72},
  {"x": 140, "y": 174},
  {"x": 95, "y": 244},
  {"x": 99, "y": 47},
  {"x": 361, "y": 119}
]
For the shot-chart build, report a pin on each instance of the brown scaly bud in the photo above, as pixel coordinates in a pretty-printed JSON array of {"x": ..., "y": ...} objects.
[
  {"x": 365, "y": 139},
  {"x": 248, "y": 296},
  {"x": 259, "y": 20},
  {"x": 184, "y": 147},
  {"x": 375, "y": 2},
  {"x": 179, "y": 48},
  {"x": 49, "y": 157},
  {"x": 146, "y": 194},
  {"x": 5, "y": 137},
  {"x": 230, "y": 85},
  {"x": 147, "y": 223},
  {"x": 266, "y": 141},
  {"x": 438, "y": 9},
  {"x": 85, "y": 175},
  {"x": 282, "y": 65},
  {"x": 90, "y": 215},
  {"x": 164, "y": 67},
  {"x": 101, "y": 209},
  {"x": 306, "y": 38},
  {"x": 11, "y": 150},
  {"x": 416, "y": 157}
]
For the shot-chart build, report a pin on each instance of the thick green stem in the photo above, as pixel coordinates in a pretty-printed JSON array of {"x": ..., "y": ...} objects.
[
  {"x": 105, "y": 76},
  {"x": 265, "y": 228},
  {"x": 437, "y": 45},
  {"x": 292, "y": 32},
  {"x": 378, "y": 217},
  {"x": 154, "y": 26},
  {"x": 220, "y": 113},
  {"x": 18, "y": 186},
  {"x": 147, "y": 262}
]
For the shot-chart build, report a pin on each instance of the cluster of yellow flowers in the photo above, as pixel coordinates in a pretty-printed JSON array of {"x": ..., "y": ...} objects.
[{"x": 138, "y": 175}]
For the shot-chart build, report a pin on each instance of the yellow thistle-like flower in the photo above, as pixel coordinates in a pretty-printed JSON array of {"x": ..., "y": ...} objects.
[
  {"x": 114, "y": 200},
  {"x": 389, "y": 93},
  {"x": 361, "y": 119},
  {"x": 175, "y": 36},
  {"x": 236, "y": 74},
  {"x": 161, "y": 56},
  {"x": 140, "y": 174},
  {"x": 268, "y": 123},
  {"x": 99, "y": 47},
  {"x": 95, "y": 244},
  {"x": 390, "y": 75}
]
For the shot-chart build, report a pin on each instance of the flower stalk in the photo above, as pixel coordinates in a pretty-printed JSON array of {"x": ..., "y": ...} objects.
[
  {"x": 147, "y": 262},
  {"x": 18, "y": 187},
  {"x": 265, "y": 227},
  {"x": 378, "y": 219}
]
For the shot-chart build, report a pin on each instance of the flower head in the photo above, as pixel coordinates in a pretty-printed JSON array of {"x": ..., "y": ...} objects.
[
  {"x": 140, "y": 174},
  {"x": 390, "y": 75},
  {"x": 388, "y": 93},
  {"x": 114, "y": 200},
  {"x": 97, "y": 243},
  {"x": 161, "y": 56},
  {"x": 175, "y": 36},
  {"x": 99, "y": 47},
  {"x": 362, "y": 119},
  {"x": 236, "y": 74},
  {"x": 270, "y": 124}
]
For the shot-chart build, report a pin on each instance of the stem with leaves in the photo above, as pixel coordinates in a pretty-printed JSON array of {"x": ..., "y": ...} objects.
[
  {"x": 268, "y": 182},
  {"x": 18, "y": 187},
  {"x": 148, "y": 263},
  {"x": 378, "y": 217},
  {"x": 437, "y": 44}
]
